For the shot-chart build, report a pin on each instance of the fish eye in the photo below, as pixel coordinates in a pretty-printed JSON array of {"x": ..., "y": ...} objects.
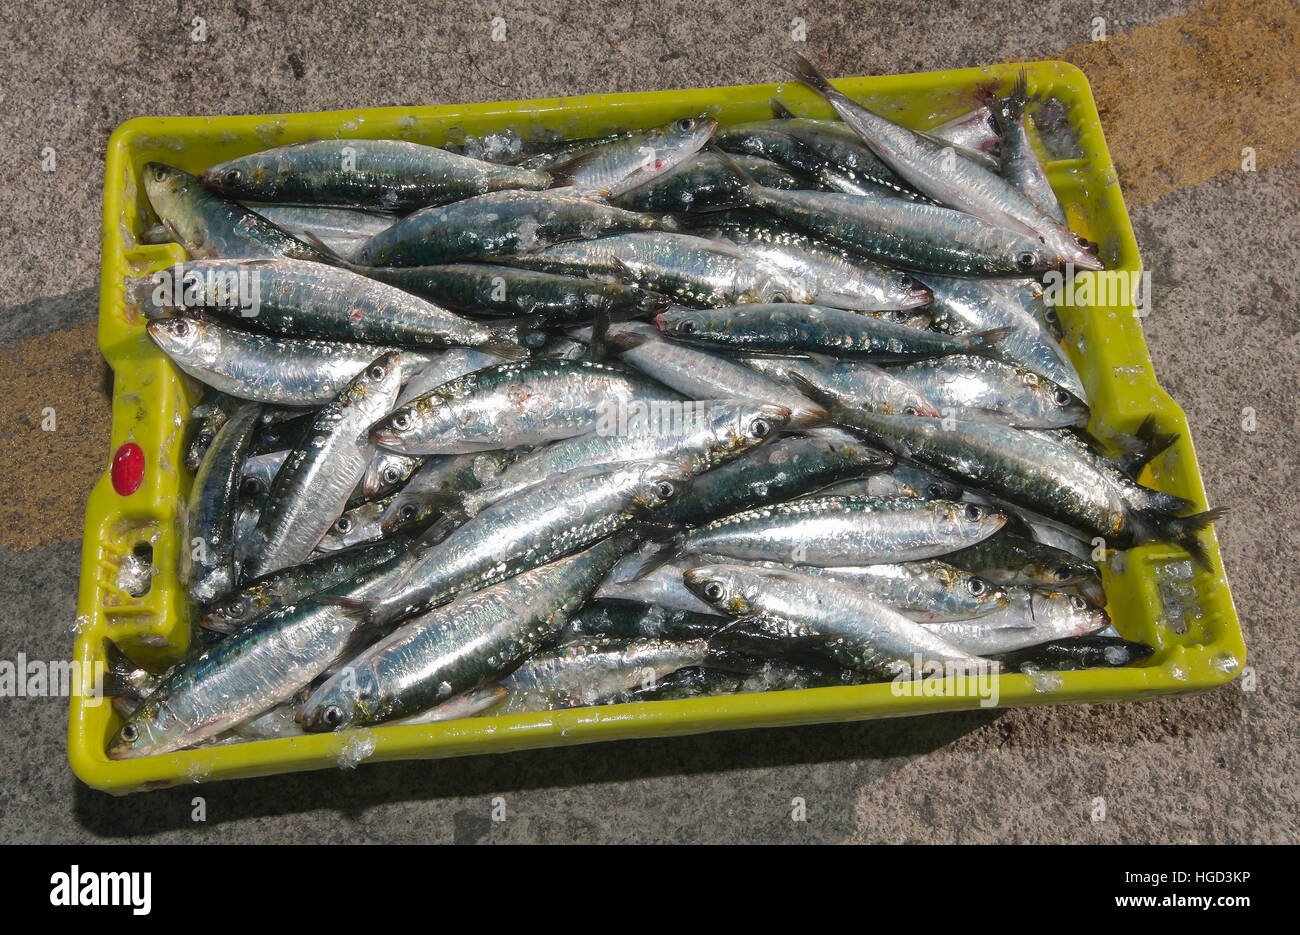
[
  {"x": 180, "y": 327},
  {"x": 231, "y": 176},
  {"x": 686, "y": 327},
  {"x": 1064, "y": 573},
  {"x": 760, "y": 428},
  {"x": 910, "y": 411},
  {"x": 934, "y": 491},
  {"x": 377, "y": 371},
  {"x": 665, "y": 490},
  {"x": 401, "y": 421},
  {"x": 237, "y": 608},
  {"x": 158, "y": 172},
  {"x": 685, "y": 124},
  {"x": 973, "y": 512},
  {"x": 714, "y": 591},
  {"x": 251, "y": 487},
  {"x": 1025, "y": 261},
  {"x": 1078, "y": 603},
  {"x": 129, "y": 733},
  {"x": 332, "y": 716},
  {"x": 391, "y": 474},
  {"x": 343, "y": 525},
  {"x": 976, "y": 586},
  {"x": 780, "y": 297},
  {"x": 407, "y": 512},
  {"x": 1061, "y": 397},
  {"x": 1051, "y": 316}
]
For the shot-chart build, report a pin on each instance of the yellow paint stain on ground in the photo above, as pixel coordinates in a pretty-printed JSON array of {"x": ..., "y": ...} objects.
[
  {"x": 49, "y": 475},
  {"x": 1181, "y": 99}
]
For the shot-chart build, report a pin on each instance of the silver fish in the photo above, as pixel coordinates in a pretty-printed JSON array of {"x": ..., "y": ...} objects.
[
  {"x": 313, "y": 486},
  {"x": 1030, "y": 618},
  {"x": 853, "y": 628},
  {"x": 838, "y": 531},
  {"x": 457, "y": 647},
  {"x": 516, "y": 404},
  {"x": 696, "y": 271},
  {"x": 958, "y": 183},
  {"x": 277, "y": 371}
]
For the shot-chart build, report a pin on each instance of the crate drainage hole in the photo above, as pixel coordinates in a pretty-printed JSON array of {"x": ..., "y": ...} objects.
[{"x": 135, "y": 575}]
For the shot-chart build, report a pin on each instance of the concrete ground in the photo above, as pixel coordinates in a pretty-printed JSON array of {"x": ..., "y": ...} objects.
[{"x": 1183, "y": 88}]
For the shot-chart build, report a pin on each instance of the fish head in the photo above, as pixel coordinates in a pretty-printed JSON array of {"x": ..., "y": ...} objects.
[
  {"x": 908, "y": 293},
  {"x": 731, "y": 589},
  {"x": 232, "y": 612},
  {"x": 402, "y": 430},
  {"x": 403, "y": 512},
  {"x": 1025, "y": 255},
  {"x": 385, "y": 471},
  {"x": 167, "y": 188},
  {"x": 741, "y": 424},
  {"x": 973, "y": 522},
  {"x": 375, "y": 388},
  {"x": 911, "y": 317},
  {"x": 240, "y": 178},
  {"x": 1055, "y": 404},
  {"x": 349, "y": 697},
  {"x": 183, "y": 338},
  {"x": 1066, "y": 614},
  {"x": 687, "y": 323},
  {"x": 975, "y": 591},
  {"x": 151, "y": 730},
  {"x": 655, "y": 483}
]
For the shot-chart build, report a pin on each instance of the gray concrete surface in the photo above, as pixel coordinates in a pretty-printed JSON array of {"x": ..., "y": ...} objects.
[{"x": 1212, "y": 768}]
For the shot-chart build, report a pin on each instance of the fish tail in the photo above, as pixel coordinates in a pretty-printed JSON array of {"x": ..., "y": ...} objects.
[
  {"x": 1153, "y": 443},
  {"x": 1181, "y": 530},
  {"x": 779, "y": 110},
  {"x": 806, "y": 72},
  {"x": 117, "y": 673},
  {"x": 1014, "y": 104}
]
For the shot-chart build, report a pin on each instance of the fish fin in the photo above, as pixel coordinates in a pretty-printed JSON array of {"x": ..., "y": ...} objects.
[
  {"x": 807, "y": 73},
  {"x": 327, "y": 253},
  {"x": 1018, "y": 99},
  {"x": 598, "y": 346},
  {"x": 1153, "y": 443},
  {"x": 455, "y": 513},
  {"x": 506, "y": 342},
  {"x": 809, "y": 389},
  {"x": 974, "y": 155},
  {"x": 1182, "y": 530},
  {"x": 627, "y": 272},
  {"x": 117, "y": 673},
  {"x": 625, "y": 341},
  {"x": 365, "y": 612},
  {"x": 562, "y": 172},
  {"x": 988, "y": 343},
  {"x": 779, "y": 110}
]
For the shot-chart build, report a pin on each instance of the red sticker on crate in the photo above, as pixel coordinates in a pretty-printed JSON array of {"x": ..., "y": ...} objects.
[{"x": 128, "y": 469}]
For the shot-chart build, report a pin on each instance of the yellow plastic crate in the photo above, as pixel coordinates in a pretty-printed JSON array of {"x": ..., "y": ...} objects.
[{"x": 152, "y": 399}]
